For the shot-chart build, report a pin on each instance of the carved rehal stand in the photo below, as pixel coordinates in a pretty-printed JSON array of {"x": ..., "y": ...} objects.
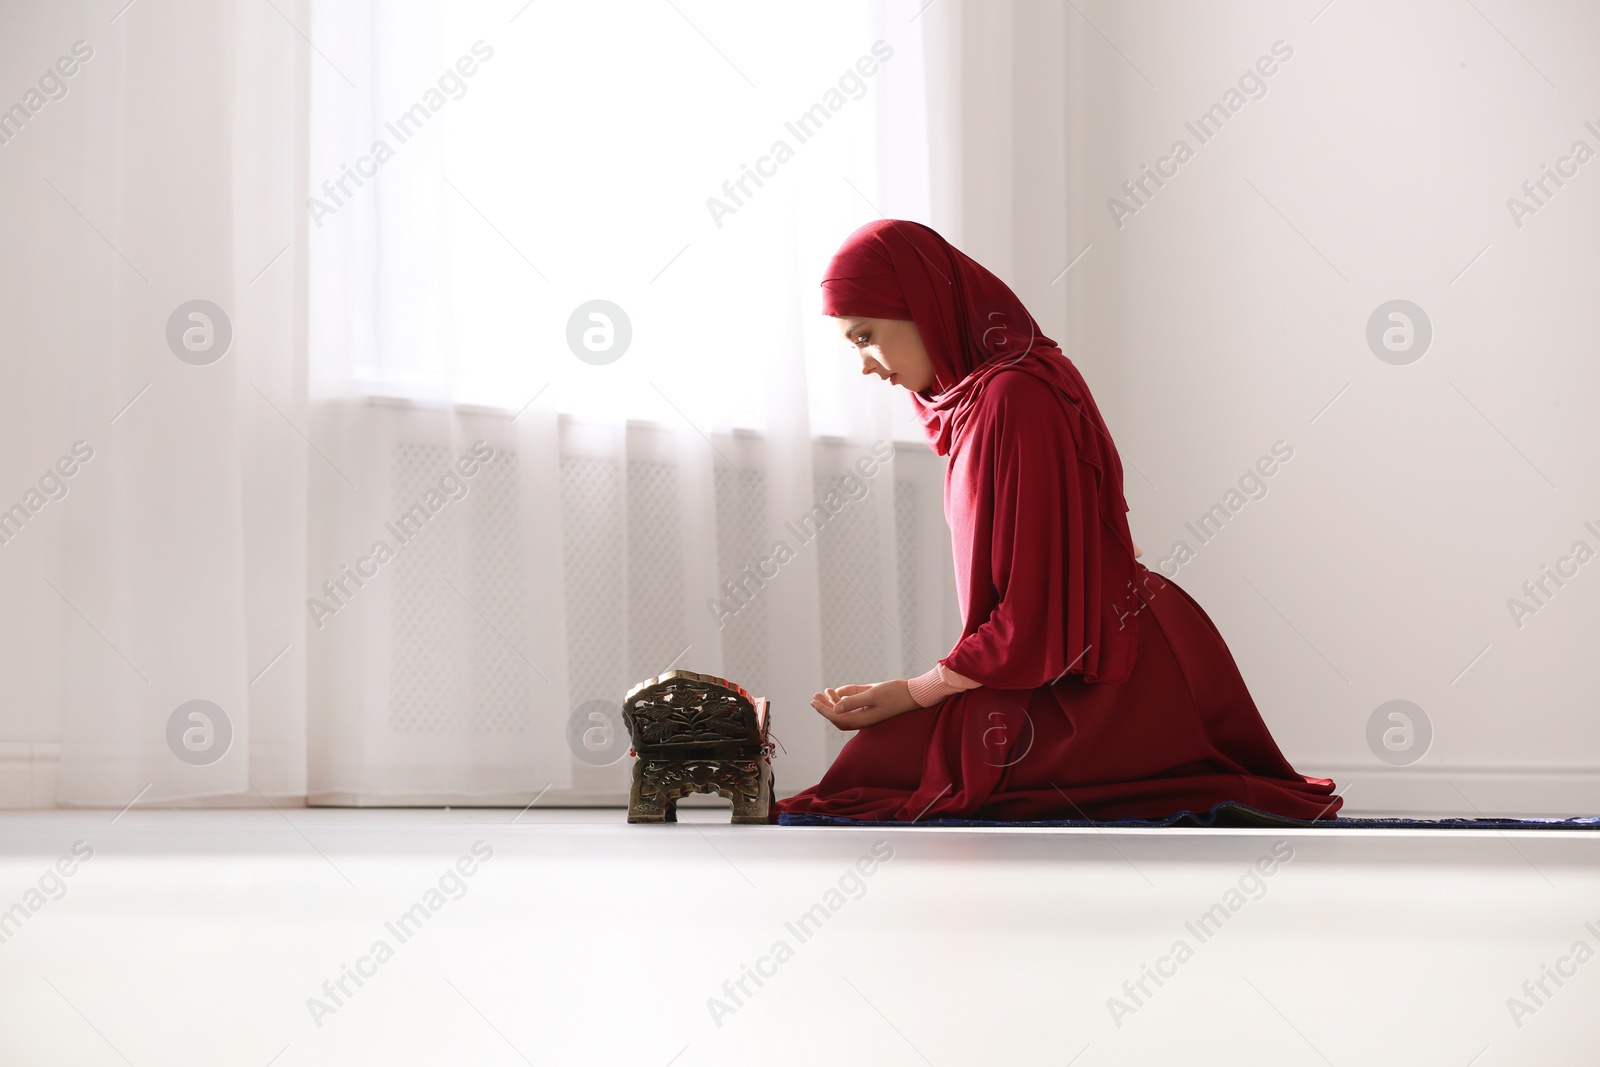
[{"x": 694, "y": 733}]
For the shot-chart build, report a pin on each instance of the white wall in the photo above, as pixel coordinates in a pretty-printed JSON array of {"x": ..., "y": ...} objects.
[{"x": 1227, "y": 313}]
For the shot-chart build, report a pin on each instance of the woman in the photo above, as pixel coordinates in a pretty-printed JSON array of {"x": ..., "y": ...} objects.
[{"x": 1083, "y": 684}]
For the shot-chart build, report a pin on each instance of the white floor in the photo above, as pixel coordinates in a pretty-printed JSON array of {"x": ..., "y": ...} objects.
[{"x": 203, "y": 937}]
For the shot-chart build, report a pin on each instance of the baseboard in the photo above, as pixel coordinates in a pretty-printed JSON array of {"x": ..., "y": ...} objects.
[
  {"x": 1465, "y": 791},
  {"x": 552, "y": 799},
  {"x": 28, "y": 773}
]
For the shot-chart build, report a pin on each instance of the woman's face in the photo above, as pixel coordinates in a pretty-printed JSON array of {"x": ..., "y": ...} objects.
[{"x": 891, "y": 349}]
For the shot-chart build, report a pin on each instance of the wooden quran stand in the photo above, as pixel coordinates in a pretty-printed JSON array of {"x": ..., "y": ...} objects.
[{"x": 693, "y": 733}]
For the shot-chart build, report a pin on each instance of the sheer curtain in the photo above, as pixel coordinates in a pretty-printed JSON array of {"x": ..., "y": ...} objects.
[
  {"x": 564, "y": 316},
  {"x": 412, "y": 362},
  {"x": 155, "y": 552}
]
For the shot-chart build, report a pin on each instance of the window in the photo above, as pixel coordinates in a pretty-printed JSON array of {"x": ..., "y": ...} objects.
[{"x": 478, "y": 172}]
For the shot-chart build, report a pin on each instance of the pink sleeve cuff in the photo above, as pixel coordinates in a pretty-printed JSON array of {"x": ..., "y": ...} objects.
[{"x": 939, "y": 682}]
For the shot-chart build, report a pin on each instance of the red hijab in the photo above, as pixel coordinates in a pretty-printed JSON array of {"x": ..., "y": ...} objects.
[{"x": 1033, "y": 491}]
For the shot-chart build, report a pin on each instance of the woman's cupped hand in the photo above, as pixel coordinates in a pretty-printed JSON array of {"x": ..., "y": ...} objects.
[{"x": 851, "y": 707}]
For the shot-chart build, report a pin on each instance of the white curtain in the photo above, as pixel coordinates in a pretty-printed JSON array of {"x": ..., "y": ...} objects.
[
  {"x": 480, "y": 174},
  {"x": 154, "y": 545},
  {"x": 258, "y": 368}
]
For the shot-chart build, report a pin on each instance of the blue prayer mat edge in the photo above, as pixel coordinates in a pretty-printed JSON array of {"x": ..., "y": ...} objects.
[{"x": 1229, "y": 814}]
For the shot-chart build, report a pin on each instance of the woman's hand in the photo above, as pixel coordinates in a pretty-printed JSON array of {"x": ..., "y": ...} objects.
[
  {"x": 1137, "y": 551},
  {"x": 850, "y": 707}
]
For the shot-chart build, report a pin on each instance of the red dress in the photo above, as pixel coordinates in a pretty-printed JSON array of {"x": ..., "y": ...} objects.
[
  {"x": 1105, "y": 691},
  {"x": 1181, "y": 734}
]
